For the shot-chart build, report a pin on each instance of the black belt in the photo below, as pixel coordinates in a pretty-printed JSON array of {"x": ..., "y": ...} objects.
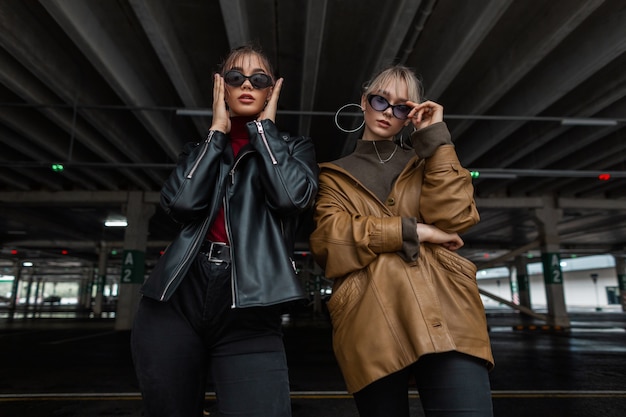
[{"x": 217, "y": 252}]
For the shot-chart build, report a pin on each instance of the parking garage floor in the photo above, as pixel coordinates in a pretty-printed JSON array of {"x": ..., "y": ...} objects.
[{"x": 82, "y": 367}]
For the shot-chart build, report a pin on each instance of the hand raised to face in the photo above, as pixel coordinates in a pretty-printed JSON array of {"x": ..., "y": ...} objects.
[
  {"x": 425, "y": 114},
  {"x": 269, "y": 111},
  {"x": 221, "y": 117}
]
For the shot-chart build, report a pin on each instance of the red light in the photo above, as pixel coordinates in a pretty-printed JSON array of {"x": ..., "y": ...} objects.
[
  {"x": 604, "y": 177},
  {"x": 485, "y": 255},
  {"x": 64, "y": 252},
  {"x": 13, "y": 251}
]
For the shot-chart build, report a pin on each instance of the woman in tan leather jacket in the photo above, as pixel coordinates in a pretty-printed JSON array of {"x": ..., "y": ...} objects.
[{"x": 404, "y": 303}]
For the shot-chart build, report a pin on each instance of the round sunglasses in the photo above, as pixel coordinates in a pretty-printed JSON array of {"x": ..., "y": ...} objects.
[
  {"x": 259, "y": 80},
  {"x": 380, "y": 103}
]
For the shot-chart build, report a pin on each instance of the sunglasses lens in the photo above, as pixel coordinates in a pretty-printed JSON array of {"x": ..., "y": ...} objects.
[
  {"x": 378, "y": 103},
  {"x": 260, "y": 80},
  {"x": 234, "y": 78},
  {"x": 401, "y": 111}
]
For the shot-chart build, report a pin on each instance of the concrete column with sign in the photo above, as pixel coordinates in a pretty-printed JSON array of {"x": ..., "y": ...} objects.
[
  {"x": 549, "y": 216},
  {"x": 620, "y": 268},
  {"x": 138, "y": 214}
]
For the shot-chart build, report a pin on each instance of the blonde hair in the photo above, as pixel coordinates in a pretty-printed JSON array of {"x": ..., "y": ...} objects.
[{"x": 396, "y": 73}]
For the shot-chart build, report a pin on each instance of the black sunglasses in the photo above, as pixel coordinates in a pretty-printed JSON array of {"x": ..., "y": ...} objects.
[
  {"x": 380, "y": 103},
  {"x": 258, "y": 80}
]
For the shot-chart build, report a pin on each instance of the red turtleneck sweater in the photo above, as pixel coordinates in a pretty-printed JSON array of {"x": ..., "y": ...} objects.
[{"x": 238, "y": 138}]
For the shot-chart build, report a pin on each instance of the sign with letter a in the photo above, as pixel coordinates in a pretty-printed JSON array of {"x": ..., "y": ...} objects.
[
  {"x": 552, "y": 273},
  {"x": 133, "y": 267}
]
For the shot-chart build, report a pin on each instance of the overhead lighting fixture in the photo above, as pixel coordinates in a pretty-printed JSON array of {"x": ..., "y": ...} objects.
[
  {"x": 588, "y": 122},
  {"x": 116, "y": 221}
]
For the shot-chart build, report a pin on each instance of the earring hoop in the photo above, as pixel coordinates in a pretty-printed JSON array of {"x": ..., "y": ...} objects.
[
  {"x": 337, "y": 114},
  {"x": 401, "y": 140}
]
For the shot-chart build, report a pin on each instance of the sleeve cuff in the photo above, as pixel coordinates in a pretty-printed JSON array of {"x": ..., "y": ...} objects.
[
  {"x": 410, "y": 240},
  {"x": 427, "y": 140}
]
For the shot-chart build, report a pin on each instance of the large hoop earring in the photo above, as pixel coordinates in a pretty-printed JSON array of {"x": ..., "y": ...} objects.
[
  {"x": 400, "y": 140},
  {"x": 337, "y": 114}
]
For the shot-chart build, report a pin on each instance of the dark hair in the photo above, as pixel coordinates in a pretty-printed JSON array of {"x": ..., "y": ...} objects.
[{"x": 236, "y": 55}]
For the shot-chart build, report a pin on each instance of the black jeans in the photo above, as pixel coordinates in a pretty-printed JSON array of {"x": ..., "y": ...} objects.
[
  {"x": 450, "y": 384},
  {"x": 176, "y": 344}
]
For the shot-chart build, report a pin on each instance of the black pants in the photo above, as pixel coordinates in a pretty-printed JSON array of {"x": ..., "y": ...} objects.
[
  {"x": 449, "y": 384},
  {"x": 176, "y": 343}
]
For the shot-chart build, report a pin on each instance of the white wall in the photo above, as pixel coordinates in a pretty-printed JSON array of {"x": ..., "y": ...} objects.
[{"x": 578, "y": 286}]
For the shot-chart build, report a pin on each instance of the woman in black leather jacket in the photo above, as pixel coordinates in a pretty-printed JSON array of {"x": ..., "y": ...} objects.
[{"x": 213, "y": 301}]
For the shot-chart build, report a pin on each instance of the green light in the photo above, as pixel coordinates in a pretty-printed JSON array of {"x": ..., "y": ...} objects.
[
  {"x": 57, "y": 167},
  {"x": 475, "y": 174},
  {"x": 114, "y": 252}
]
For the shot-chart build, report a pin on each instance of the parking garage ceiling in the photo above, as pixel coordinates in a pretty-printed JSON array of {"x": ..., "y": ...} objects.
[{"x": 534, "y": 95}]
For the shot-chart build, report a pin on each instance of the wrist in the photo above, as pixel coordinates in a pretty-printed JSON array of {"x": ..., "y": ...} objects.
[
  {"x": 218, "y": 128},
  {"x": 422, "y": 232}
]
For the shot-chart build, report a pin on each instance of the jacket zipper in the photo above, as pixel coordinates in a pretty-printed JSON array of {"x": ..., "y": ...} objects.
[
  {"x": 282, "y": 233},
  {"x": 196, "y": 242},
  {"x": 232, "y": 253},
  {"x": 259, "y": 128},
  {"x": 183, "y": 262},
  {"x": 231, "y": 173},
  {"x": 234, "y": 167},
  {"x": 201, "y": 156}
]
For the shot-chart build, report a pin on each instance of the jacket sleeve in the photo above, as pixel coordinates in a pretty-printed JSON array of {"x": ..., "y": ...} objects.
[
  {"x": 289, "y": 170},
  {"x": 343, "y": 242},
  {"x": 194, "y": 184},
  {"x": 447, "y": 197}
]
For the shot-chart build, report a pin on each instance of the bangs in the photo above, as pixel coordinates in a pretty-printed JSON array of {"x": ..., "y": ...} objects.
[
  {"x": 238, "y": 58},
  {"x": 397, "y": 75}
]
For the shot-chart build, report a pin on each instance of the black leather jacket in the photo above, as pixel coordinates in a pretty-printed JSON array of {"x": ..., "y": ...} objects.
[{"x": 272, "y": 180}]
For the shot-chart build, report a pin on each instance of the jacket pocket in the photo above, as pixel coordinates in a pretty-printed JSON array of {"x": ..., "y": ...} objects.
[
  {"x": 454, "y": 263},
  {"x": 454, "y": 278},
  {"x": 346, "y": 297}
]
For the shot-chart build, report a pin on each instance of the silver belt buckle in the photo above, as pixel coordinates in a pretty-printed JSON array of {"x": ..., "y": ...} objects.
[{"x": 210, "y": 257}]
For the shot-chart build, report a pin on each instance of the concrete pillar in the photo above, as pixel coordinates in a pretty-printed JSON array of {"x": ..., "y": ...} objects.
[
  {"x": 103, "y": 256},
  {"x": 84, "y": 299},
  {"x": 138, "y": 215},
  {"x": 39, "y": 294},
  {"x": 620, "y": 268},
  {"x": 523, "y": 284},
  {"x": 549, "y": 216},
  {"x": 14, "y": 289},
  {"x": 29, "y": 288}
]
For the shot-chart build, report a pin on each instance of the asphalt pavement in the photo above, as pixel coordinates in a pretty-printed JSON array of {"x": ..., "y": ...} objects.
[{"x": 82, "y": 367}]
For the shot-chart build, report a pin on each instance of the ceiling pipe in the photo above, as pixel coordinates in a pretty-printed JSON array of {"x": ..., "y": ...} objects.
[
  {"x": 203, "y": 112},
  {"x": 492, "y": 173}
]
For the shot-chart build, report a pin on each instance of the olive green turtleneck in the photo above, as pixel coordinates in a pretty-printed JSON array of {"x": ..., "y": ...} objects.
[
  {"x": 365, "y": 165},
  {"x": 377, "y": 165}
]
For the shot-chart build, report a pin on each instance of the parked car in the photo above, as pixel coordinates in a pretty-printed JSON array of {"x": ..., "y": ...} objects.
[
  {"x": 52, "y": 299},
  {"x": 4, "y": 301}
]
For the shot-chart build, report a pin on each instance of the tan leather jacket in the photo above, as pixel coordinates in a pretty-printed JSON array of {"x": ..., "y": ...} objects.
[{"x": 386, "y": 312}]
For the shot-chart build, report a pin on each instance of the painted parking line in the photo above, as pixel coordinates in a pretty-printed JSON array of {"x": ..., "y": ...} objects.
[{"x": 135, "y": 396}]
